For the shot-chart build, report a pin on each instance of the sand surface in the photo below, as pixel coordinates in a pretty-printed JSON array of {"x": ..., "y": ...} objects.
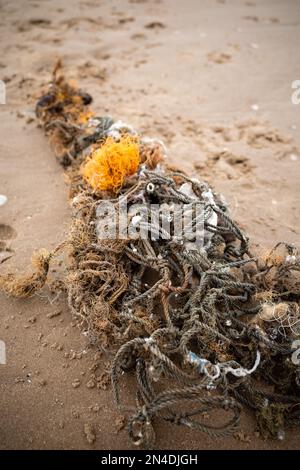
[{"x": 213, "y": 80}]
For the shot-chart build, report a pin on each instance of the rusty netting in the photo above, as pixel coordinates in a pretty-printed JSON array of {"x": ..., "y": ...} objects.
[{"x": 201, "y": 322}]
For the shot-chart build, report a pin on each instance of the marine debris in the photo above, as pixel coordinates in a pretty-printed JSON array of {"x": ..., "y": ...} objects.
[{"x": 202, "y": 322}]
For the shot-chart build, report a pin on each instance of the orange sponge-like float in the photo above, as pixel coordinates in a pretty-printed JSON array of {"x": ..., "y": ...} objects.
[{"x": 109, "y": 165}]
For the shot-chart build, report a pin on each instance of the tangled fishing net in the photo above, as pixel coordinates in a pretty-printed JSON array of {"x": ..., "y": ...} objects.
[{"x": 202, "y": 323}]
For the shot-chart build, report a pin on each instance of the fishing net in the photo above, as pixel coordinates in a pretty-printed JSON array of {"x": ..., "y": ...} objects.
[{"x": 201, "y": 322}]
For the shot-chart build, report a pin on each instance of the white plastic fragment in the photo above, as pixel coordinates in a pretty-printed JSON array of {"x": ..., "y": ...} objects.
[
  {"x": 186, "y": 189},
  {"x": 291, "y": 259},
  {"x": 3, "y": 199}
]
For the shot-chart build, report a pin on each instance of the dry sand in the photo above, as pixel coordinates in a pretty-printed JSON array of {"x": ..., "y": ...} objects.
[{"x": 213, "y": 80}]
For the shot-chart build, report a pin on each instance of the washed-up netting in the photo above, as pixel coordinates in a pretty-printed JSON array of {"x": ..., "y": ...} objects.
[{"x": 205, "y": 326}]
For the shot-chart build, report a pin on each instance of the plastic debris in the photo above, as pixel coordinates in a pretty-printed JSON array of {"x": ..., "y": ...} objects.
[{"x": 185, "y": 319}]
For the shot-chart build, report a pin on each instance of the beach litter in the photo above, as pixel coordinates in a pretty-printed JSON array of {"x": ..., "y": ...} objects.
[{"x": 201, "y": 321}]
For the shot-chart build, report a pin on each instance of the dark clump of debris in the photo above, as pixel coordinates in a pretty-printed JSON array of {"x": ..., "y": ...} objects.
[{"x": 202, "y": 322}]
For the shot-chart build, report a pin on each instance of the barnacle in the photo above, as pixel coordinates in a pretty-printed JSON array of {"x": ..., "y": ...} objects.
[{"x": 109, "y": 165}]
